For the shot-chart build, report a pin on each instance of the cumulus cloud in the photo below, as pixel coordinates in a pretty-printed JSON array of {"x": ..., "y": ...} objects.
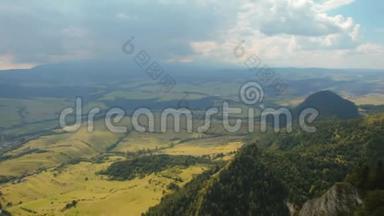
[
  {"x": 47, "y": 32},
  {"x": 293, "y": 17},
  {"x": 299, "y": 18},
  {"x": 292, "y": 33},
  {"x": 204, "y": 47},
  {"x": 281, "y": 32},
  {"x": 370, "y": 48},
  {"x": 7, "y": 61},
  {"x": 333, "y": 4}
]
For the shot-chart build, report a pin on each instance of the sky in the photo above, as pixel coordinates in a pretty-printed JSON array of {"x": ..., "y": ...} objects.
[{"x": 280, "y": 33}]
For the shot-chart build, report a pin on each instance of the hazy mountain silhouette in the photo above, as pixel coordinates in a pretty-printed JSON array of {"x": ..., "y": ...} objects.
[{"x": 329, "y": 104}]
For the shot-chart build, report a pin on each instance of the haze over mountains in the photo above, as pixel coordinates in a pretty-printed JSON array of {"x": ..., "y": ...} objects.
[
  {"x": 88, "y": 74},
  {"x": 199, "y": 173},
  {"x": 37, "y": 95},
  {"x": 192, "y": 108}
]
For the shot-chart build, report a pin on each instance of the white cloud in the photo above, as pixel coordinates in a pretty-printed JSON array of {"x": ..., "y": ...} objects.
[
  {"x": 296, "y": 17},
  {"x": 280, "y": 32},
  {"x": 333, "y": 4},
  {"x": 204, "y": 47},
  {"x": 7, "y": 62},
  {"x": 370, "y": 48},
  {"x": 290, "y": 33}
]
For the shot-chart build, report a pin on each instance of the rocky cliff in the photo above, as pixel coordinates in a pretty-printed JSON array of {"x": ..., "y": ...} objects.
[{"x": 341, "y": 199}]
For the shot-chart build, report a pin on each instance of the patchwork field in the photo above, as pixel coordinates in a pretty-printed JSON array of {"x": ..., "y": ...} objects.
[
  {"x": 206, "y": 146},
  {"x": 21, "y": 111},
  {"x": 53, "y": 150},
  {"x": 375, "y": 99},
  {"x": 57, "y": 174},
  {"x": 137, "y": 141},
  {"x": 49, "y": 192}
]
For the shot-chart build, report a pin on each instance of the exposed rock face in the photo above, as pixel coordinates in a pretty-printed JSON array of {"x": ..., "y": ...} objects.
[
  {"x": 4, "y": 213},
  {"x": 340, "y": 200},
  {"x": 294, "y": 209}
]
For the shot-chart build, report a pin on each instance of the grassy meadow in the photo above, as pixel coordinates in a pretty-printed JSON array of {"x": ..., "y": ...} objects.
[
  {"x": 48, "y": 192},
  {"x": 51, "y": 171}
]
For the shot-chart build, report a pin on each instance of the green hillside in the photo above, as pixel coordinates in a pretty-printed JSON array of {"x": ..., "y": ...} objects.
[{"x": 293, "y": 167}]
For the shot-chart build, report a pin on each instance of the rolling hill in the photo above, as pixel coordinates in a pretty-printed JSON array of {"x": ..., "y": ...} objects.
[{"x": 329, "y": 105}]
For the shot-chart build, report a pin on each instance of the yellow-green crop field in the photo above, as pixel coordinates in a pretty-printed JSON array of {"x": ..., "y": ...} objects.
[
  {"x": 48, "y": 192},
  {"x": 47, "y": 180}
]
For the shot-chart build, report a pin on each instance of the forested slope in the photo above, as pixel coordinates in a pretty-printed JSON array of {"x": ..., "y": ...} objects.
[{"x": 290, "y": 168}]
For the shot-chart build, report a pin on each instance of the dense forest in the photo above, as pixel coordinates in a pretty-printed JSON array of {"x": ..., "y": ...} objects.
[
  {"x": 290, "y": 167},
  {"x": 243, "y": 187},
  {"x": 309, "y": 163},
  {"x": 145, "y": 165}
]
